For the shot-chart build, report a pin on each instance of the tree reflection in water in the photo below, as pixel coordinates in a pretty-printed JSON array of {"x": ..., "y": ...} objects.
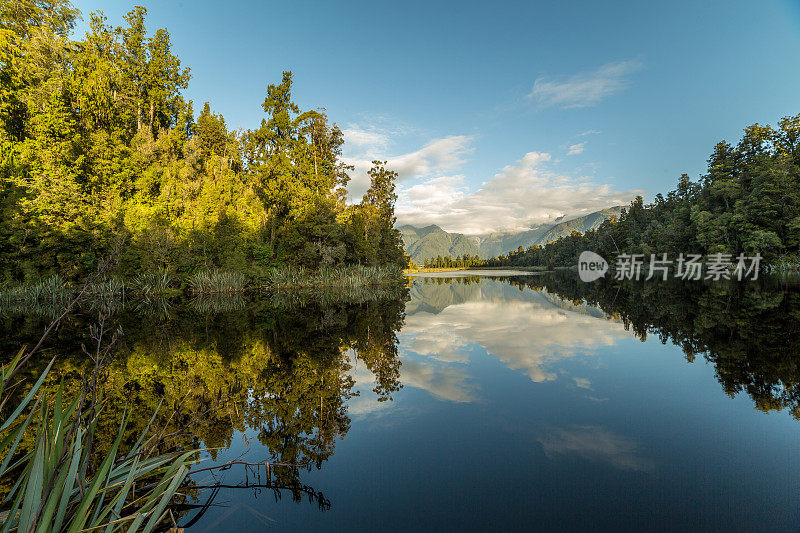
[
  {"x": 749, "y": 331},
  {"x": 216, "y": 369}
]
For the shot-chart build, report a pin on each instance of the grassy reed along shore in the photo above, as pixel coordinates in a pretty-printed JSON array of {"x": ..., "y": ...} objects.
[
  {"x": 350, "y": 277},
  {"x": 54, "y": 291},
  {"x": 216, "y": 281}
]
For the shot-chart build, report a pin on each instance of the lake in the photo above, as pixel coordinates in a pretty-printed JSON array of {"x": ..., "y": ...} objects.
[{"x": 496, "y": 400}]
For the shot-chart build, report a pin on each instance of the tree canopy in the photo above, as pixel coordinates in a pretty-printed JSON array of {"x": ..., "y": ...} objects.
[{"x": 99, "y": 151}]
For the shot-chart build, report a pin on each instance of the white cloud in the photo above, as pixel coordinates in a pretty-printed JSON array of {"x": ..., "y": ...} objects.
[
  {"x": 435, "y": 192},
  {"x": 590, "y": 132},
  {"x": 576, "y": 149},
  {"x": 436, "y": 157},
  {"x": 527, "y": 331},
  {"x": 446, "y": 382},
  {"x": 366, "y": 138},
  {"x": 583, "y": 383},
  {"x": 584, "y": 89},
  {"x": 366, "y": 144},
  {"x": 518, "y": 197},
  {"x": 595, "y": 443}
]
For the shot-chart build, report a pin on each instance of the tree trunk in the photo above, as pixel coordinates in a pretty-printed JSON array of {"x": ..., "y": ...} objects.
[{"x": 151, "y": 116}]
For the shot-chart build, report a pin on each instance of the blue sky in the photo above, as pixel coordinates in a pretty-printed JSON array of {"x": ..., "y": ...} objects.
[{"x": 499, "y": 116}]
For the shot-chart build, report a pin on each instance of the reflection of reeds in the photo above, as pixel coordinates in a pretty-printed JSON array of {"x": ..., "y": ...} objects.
[
  {"x": 44, "y": 298},
  {"x": 156, "y": 306},
  {"x": 217, "y": 303},
  {"x": 44, "y": 309},
  {"x": 215, "y": 281},
  {"x": 331, "y": 296}
]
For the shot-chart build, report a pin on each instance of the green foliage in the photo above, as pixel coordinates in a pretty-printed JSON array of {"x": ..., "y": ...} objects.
[
  {"x": 99, "y": 151},
  {"x": 372, "y": 237}
]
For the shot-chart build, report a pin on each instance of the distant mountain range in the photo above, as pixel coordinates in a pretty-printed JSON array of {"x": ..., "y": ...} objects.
[{"x": 431, "y": 241}]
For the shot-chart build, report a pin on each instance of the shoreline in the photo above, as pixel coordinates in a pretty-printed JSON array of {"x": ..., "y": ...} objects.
[
  {"x": 408, "y": 271},
  {"x": 211, "y": 281}
]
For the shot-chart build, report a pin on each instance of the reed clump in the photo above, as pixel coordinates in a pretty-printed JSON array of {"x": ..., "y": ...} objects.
[
  {"x": 152, "y": 284},
  {"x": 110, "y": 289},
  {"x": 52, "y": 289},
  {"x": 42, "y": 297},
  {"x": 216, "y": 281}
]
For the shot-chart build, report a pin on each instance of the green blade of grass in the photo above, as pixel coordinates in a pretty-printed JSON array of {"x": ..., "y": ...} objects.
[{"x": 27, "y": 399}]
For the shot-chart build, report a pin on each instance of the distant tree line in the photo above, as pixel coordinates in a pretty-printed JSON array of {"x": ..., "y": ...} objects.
[
  {"x": 99, "y": 151},
  {"x": 447, "y": 261},
  {"x": 747, "y": 202}
]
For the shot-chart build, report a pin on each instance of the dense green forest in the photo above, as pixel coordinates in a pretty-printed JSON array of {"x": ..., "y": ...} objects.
[
  {"x": 459, "y": 261},
  {"x": 747, "y": 202},
  {"x": 101, "y": 155}
]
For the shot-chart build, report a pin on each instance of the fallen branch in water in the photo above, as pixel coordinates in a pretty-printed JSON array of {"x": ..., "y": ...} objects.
[{"x": 228, "y": 464}]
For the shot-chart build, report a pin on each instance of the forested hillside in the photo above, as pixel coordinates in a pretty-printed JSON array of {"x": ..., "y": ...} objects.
[
  {"x": 432, "y": 241},
  {"x": 100, "y": 154},
  {"x": 747, "y": 202}
]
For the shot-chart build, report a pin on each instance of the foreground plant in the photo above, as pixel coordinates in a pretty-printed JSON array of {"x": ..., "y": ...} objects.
[{"x": 59, "y": 486}]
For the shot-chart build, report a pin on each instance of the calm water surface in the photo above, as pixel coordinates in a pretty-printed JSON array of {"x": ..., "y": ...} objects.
[{"x": 486, "y": 403}]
